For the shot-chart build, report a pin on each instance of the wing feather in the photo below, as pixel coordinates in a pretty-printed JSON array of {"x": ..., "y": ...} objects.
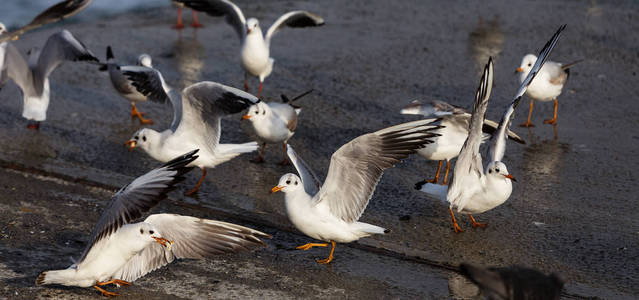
[{"x": 298, "y": 18}]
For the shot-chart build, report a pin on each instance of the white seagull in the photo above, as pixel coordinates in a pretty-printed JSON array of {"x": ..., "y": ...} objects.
[
  {"x": 330, "y": 212},
  {"x": 124, "y": 86},
  {"x": 120, "y": 251},
  {"x": 33, "y": 76},
  {"x": 255, "y": 54},
  {"x": 547, "y": 85},
  {"x": 455, "y": 121},
  {"x": 197, "y": 115},
  {"x": 274, "y": 123},
  {"x": 474, "y": 189}
]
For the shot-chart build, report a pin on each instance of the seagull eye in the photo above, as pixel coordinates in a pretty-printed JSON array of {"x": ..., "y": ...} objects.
[
  {"x": 529, "y": 65},
  {"x": 135, "y": 138},
  {"x": 264, "y": 112},
  {"x": 288, "y": 182},
  {"x": 144, "y": 138},
  {"x": 151, "y": 232},
  {"x": 257, "y": 112},
  {"x": 497, "y": 170},
  {"x": 141, "y": 231},
  {"x": 490, "y": 171},
  {"x": 295, "y": 182}
]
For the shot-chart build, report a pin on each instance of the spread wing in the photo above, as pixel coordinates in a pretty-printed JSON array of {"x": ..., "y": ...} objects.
[
  {"x": 15, "y": 67},
  {"x": 218, "y": 8},
  {"x": 468, "y": 169},
  {"x": 357, "y": 166},
  {"x": 55, "y": 13},
  {"x": 311, "y": 182},
  {"x": 433, "y": 109},
  {"x": 136, "y": 198},
  {"x": 193, "y": 238},
  {"x": 298, "y": 18}
]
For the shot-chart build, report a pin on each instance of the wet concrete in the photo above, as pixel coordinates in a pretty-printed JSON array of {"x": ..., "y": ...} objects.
[{"x": 573, "y": 210}]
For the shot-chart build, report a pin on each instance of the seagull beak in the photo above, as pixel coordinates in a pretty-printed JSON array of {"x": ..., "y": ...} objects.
[
  {"x": 510, "y": 177},
  {"x": 246, "y": 117},
  {"x": 276, "y": 189},
  {"x": 248, "y": 30},
  {"x": 162, "y": 241},
  {"x": 131, "y": 144},
  {"x": 519, "y": 70}
]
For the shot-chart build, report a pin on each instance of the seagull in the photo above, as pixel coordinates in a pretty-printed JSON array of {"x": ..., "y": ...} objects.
[
  {"x": 274, "y": 122},
  {"x": 121, "y": 251},
  {"x": 455, "y": 122},
  {"x": 197, "y": 115},
  {"x": 255, "y": 46},
  {"x": 33, "y": 76},
  {"x": 514, "y": 283},
  {"x": 179, "y": 24},
  {"x": 474, "y": 189},
  {"x": 124, "y": 86},
  {"x": 330, "y": 212},
  {"x": 547, "y": 85},
  {"x": 55, "y": 13}
]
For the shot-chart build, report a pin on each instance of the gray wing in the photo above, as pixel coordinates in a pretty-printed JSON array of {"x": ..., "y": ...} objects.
[
  {"x": 357, "y": 166},
  {"x": 150, "y": 83},
  {"x": 311, "y": 182},
  {"x": 193, "y": 238},
  {"x": 15, "y": 67},
  {"x": 55, "y": 13},
  {"x": 432, "y": 109},
  {"x": 218, "y": 8},
  {"x": 203, "y": 106},
  {"x": 298, "y": 18},
  {"x": 59, "y": 47},
  {"x": 136, "y": 198}
]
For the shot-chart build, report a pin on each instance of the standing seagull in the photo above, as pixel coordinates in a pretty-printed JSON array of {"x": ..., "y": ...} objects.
[
  {"x": 124, "y": 86},
  {"x": 256, "y": 59},
  {"x": 330, "y": 212},
  {"x": 33, "y": 77},
  {"x": 120, "y": 251},
  {"x": 274, "y": 123},
  {"x": 547, "y": 85},
  {"x": 197, "y": 115},
  {"x": 473, "y": 189},
  {"x": 455, "y": 121}
]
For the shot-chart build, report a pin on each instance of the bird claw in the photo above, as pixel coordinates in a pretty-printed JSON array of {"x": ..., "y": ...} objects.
[
  {"x": 527, "y": 124},
  {"x": 324, "y": 261},
  {"x": 550, "y": 121}
]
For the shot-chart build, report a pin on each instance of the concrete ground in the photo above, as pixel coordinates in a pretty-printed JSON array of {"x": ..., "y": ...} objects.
[{"x": 572, "y": 211}]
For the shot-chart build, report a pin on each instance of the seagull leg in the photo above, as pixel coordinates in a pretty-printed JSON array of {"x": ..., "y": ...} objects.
[
  {"x": 136, "y": 113},
  {"x": 34, "y": 126},
  {"x": 179, "y": 19},
  {"x": 528, "y": 124},
  {"x": 311, "y": 245},
  {"x": 260, "y": 155},
  {"x": 436, "y": 179},
  {"x": 285, "y": 161},
  {"x": 475, "y": 223},
  {"x": 195, "y": 23},
  {"x": 105, "y": 292},
  {"x": 246, "y": 89},
  {"x": 197, "y": 186},
  {"x": 114, "y": 281},
  {"x": 330, "y": 256},
  {"x": 259, "y": 90},
  {"x": 455, "y": 225},
  {"x": 553, "y": 121},
  {"x": 447, "y": 169}
]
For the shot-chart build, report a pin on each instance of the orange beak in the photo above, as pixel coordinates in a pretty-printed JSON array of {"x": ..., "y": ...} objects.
[
  {"x": 131, "y": 144},
  {"x": 276, "y": 189},
  {"x": 248, "y": 31},
  {"x": 162, "y": 241},
  {"x": 518, "y": 70},
  {"x": 510, "y": 177},
  {"x": 246, "y": 117}
]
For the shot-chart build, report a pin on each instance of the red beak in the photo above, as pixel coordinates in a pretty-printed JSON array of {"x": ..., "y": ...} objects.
[{"x": 510, "y": 177}]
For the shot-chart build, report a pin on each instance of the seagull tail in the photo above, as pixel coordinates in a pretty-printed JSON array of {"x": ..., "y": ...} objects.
[
  {"x": 226, "y": 152},
  {"x": 435, "y": 191},
  {"x": 56, "y": 277},
  {"x": 367, "y": 229}
]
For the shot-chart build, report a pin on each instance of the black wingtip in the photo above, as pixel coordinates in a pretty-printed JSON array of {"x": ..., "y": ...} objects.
[
  {"x": 387, "y": 231},
  {"x": 109, "y": 53},
  {"x": 103, "y": 67},
  {"x": 182, "y": 160},
  {"x": 418, "y": 185}
]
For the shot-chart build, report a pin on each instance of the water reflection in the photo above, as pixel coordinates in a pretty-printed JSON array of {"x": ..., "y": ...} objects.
[
  {"x": 486, "y": 40},
  {"x": 542, "y": 164},
  {"x": 188, "y": 56}
]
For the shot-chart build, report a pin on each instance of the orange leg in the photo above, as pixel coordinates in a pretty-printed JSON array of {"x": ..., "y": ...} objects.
[
  {"x": 284, "y": 162},
  {"x": 259, "y": 90},
  {"x": 114, "y": 281},
  {"x": 34, "y": 126},
  {"x": 553, "y": 121},
  {"x": 311, "y": 245},
  {"x": 475, "y": 223},
  {"x": 246, "y": 87},
  {"x": 105, "y": 292},
  {"x": 330, "y": 256},
  {"x": 195, "y": 23},
  {"x": 179, "y": 24},
  {"x": 528, "y": 124},
  {"x": 447, "y": 169},
  {"x": 455, "y": 225},
  {"x": 197, "y": 186},
  {"x": 260, "y": 155},
  {"x": 436, "y": 179},
  {"x": 136, "y": 113}
]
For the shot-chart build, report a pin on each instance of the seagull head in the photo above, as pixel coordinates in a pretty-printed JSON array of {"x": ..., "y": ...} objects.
[
  {"x": 288, "y": 183},
  {"x": 141, "y": 235},
  {"x": 498, "y": 170},
  {"x": 252, "y": 25},
  {"x": 526, "y": 64},
  {"x": 143, "y": 138},
  {"x": 3, "y": 29},
  {"x": 256, "y": 112},
  {"x": 145, "y": 60}
]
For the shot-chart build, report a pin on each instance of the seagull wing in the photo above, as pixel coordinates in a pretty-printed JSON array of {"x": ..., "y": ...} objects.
[
  {"x": 357, "y": 166},
  {"x": 218, "y": 8},
  {"x": 311, "y": 182},
  {"x": 193, "y": 238},
  {"x": 433, "y": 109},
  {"x": 15, "y": 67},
  {"x": 136, "y": 198},
  {"x": 298, "y": 18}
]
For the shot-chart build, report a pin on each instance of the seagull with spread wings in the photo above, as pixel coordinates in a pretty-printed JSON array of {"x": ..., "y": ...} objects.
[
  {"x": 197, "y": 115},
  {"x": 121, "y": 251},
  {"x": 474, "y": 189},
  {"x": 32, "y": 76},
  {"x": 330, "y": 212},
  {"x": 255, "y": 52}
]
